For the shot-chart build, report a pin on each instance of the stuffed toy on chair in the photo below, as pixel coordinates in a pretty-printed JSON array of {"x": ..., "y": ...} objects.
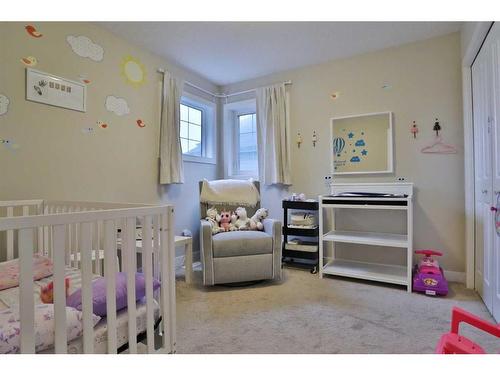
[
  {"x": 256, "y": 220},
  {"x": 242, "y": 220},
  {"x": 214, "y": 219},
  {"x": 225, "y": 221},
  {"x": 47, "y": 291}
]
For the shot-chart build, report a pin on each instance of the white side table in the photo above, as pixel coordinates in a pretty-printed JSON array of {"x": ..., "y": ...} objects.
[{"x": 187, "y": 242}]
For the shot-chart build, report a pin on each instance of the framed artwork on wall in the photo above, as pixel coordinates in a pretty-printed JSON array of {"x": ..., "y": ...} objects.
[
  {"x": 49, "y": 89},
  {"x": 362, "y": 144}
]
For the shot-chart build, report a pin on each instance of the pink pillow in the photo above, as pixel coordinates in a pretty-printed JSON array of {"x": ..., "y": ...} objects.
[{"x": 9, "y": 271}]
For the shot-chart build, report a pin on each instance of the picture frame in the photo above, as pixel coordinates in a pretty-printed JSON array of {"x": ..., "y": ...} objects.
[
  {"x": 362, "y": 144},
  {"x": 46, "y": 88}
]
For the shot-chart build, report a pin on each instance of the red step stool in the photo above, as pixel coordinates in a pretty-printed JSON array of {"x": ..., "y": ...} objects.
[{"x": 453, "y": 343}]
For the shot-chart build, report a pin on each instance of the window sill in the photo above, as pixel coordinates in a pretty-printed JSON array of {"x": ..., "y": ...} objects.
[
  {"x": 243, "y": 177},
  {"x": 198, "y": 159}
]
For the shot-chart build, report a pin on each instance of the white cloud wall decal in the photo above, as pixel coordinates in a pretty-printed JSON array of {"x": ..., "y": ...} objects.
[
  {"x": 118, "y": 106},
  {"x": 4, "y": 104},
  {"x": 85, "y": 47}
]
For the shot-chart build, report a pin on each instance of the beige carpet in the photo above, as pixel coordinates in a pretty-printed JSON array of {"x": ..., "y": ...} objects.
[{"x": 304, "y": 314}]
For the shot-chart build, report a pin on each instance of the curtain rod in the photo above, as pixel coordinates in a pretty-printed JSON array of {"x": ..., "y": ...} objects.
[{"x": 217, "y": 95}]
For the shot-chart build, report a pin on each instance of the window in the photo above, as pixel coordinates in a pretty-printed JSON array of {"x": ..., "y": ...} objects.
[
  {"x": 240, "y": 140},
  {"x": 197, "y": 129},
  {"x": 246, "y": 144},
  {"x": 191, "y": 130}
]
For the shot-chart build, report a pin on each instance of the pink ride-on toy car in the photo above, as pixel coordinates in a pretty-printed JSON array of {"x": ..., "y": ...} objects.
[{"x": 428, "y": 277}]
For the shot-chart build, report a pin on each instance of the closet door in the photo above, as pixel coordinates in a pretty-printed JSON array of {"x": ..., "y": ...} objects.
[
  {"x": 494, "y": 118},
  {"x": 483, "y": 175},
  {"x": 486, "y": 107}
]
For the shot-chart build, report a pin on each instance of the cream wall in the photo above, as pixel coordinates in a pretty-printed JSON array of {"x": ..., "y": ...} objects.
[
  {"x": 55, "y": 159},
  {"x": 425, "y": 80}
]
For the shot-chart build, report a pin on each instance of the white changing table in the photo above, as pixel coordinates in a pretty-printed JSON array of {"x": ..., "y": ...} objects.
[{"x": 389, "y": 273}]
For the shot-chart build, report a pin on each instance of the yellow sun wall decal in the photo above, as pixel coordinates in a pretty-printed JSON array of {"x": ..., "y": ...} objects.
[{"x": 133, "y": 71}]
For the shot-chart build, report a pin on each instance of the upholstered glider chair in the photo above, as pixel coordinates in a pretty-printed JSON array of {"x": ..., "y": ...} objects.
[{"x": 238, "y": 256}]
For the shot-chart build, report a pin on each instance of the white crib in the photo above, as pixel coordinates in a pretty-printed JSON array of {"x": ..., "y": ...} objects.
[{"x": 83, "y": 235}]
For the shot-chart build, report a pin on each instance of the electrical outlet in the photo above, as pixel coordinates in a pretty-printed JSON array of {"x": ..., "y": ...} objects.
[
  {"x": 328, "y": 181},
  {"x": 401, "y": 179}
]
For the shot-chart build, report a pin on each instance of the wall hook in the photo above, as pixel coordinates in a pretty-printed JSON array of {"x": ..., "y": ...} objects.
[
  {"x": 414, "y": 129},
  {"x": 299, "y": 139},
  {"x": 437, "y": 128},
  {"x": 314, "y": 138}
]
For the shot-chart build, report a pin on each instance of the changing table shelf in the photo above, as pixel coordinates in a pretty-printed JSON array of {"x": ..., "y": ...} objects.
[
  {"x": 334, "y": 205},
  {"x": 367, "y": 238},
  {"x": 369, "y": 271}
]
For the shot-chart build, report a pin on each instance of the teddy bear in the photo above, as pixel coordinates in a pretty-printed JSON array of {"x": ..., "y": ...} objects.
[
  {"x": 242, "y": 220},
  {"x": 256, "y": 220},
  {"x": 225, "y": 221},
  {"x": 214, "y": 219}
]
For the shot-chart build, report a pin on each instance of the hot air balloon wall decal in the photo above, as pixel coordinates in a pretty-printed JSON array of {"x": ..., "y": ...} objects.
[
  {"x": 362, "y": 144},
  {"x": 338, "y": 145}
]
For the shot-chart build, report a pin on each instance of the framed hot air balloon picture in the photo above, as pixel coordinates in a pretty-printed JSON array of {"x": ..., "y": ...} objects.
[{"x": 362, "y": 144}]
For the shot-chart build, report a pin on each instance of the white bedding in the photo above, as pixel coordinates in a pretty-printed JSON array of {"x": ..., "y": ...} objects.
[{"x": 10, "y": 297}]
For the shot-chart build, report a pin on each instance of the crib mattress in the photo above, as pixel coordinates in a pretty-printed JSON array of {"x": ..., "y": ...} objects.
[{"x": 10, "y": 297}]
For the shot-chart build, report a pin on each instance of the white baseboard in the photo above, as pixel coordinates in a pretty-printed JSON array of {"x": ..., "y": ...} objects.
[{"x": 454, "y": 276}]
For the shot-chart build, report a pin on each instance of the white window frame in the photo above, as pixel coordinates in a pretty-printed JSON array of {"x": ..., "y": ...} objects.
[
  {"x": 208, "y": 129},
  {"x": 231, "y": 138},
  {"x": 236, "y": 149}
]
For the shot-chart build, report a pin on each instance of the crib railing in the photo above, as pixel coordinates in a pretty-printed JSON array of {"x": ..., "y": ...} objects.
[
  {"x": 8, "y": 247},
  {"x": 72, "y": 253},
  {"x": 80, "y": 229},
  {"x": 19, "y": 208}
]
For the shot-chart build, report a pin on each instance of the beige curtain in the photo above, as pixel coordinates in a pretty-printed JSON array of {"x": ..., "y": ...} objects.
[
  {"x": 273, "y": 133},
  {"x": 171, "y": 167}
]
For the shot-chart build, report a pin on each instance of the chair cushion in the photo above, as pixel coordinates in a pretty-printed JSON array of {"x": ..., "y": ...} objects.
[{"x": 237, "y": 243}]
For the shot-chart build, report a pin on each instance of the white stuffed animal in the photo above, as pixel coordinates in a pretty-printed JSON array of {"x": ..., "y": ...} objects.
[
  {"x": 233, "y": 221},
  {"x": 242, "y": 220},
  {"x": 214, "y": 219},
  {"x": 256, "y": 220}
]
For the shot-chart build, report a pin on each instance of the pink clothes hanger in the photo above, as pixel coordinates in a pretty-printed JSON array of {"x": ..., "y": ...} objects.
[{"x": 439, "y": 147}]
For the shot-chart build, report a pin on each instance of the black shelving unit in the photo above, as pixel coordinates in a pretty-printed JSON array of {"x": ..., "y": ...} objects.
[{"x": 297, "y": 257}]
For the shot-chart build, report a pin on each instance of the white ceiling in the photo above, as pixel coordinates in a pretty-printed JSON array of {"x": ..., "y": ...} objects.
[{"x": 229, "y": 52}]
